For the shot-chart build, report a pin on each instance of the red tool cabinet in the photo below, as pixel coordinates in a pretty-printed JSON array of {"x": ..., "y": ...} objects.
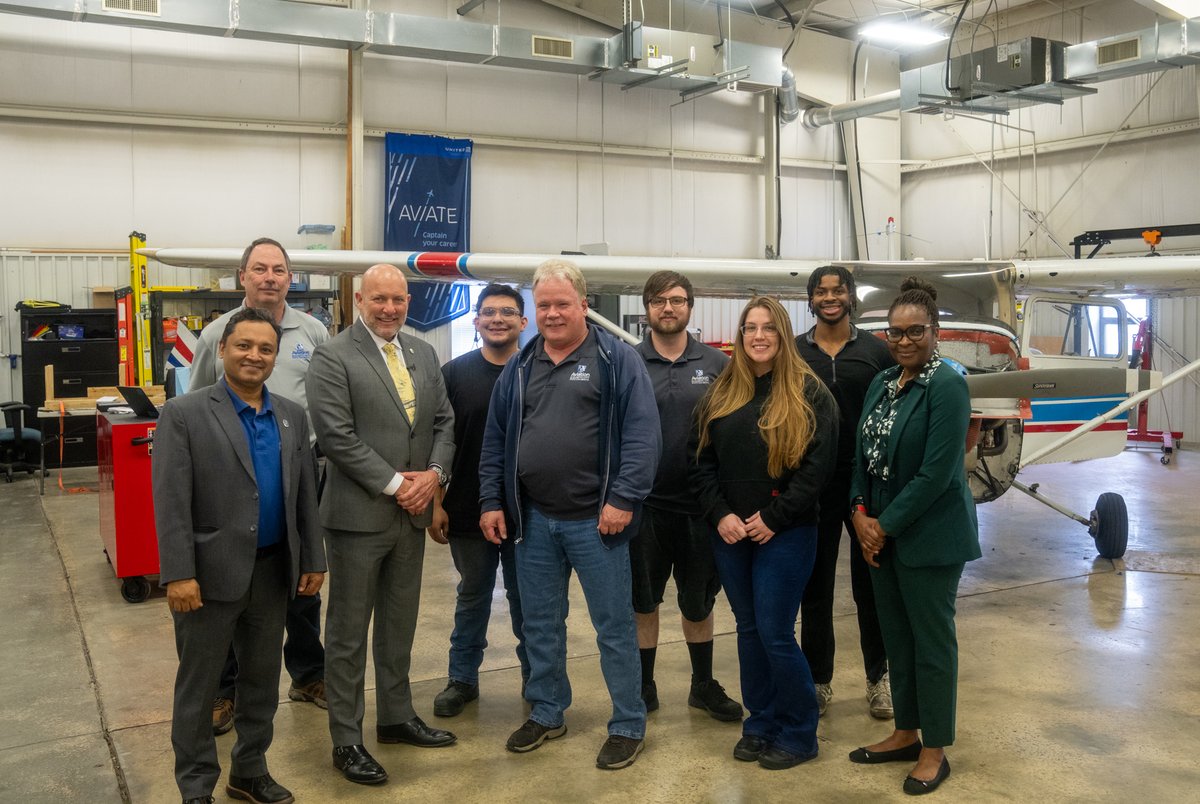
[{"x": 123, "y": 447}]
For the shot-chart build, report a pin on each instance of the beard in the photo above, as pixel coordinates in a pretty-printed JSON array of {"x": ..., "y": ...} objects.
[{"x": 669, "y": 326}]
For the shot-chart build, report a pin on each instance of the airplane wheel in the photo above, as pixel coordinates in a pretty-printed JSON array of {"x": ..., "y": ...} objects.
[
  {"x": 135, "y": 589},
  {"x": 1110, "y": 525}
]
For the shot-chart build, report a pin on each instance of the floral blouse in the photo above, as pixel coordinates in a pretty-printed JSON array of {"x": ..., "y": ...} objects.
[{"x": 877, "y": 425}]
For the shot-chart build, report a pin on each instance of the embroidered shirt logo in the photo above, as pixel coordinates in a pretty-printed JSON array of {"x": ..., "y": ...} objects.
[
  {"x": 580, "y": 374},
  {"x": 301, "y": 352},
  {"x": 701, "y": 378}
]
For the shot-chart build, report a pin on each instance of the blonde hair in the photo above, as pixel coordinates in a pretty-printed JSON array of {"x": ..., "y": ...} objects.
[
  {"x": 566, "y": 270},
  {"x": 787, "y": 421}
]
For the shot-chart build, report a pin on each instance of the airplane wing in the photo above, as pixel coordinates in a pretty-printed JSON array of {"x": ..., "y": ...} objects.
[
  {"x": 1137, "y": 276},
  {"x": 741, "y": 278},
  {"x": 710, "y": 277}
]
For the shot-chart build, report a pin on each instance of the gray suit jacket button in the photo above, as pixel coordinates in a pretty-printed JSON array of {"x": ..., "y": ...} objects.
[{"x": 253, "y": 528}]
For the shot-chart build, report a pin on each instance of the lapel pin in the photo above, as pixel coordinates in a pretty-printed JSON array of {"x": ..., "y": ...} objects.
[{"x": 285, "y": 423}]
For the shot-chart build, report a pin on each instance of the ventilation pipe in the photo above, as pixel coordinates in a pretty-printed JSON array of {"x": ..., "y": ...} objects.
[
  {"x": 818, "y": 116},
  {"x": 789, "y": 102}
]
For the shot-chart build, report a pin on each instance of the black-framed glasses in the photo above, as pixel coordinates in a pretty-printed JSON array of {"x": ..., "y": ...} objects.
[
  {"x": 915, "y": 333},
  {"x": 659, "y": 302},
  {"x": 503, "y": 312},
  {"x": 753, "y": 329}
]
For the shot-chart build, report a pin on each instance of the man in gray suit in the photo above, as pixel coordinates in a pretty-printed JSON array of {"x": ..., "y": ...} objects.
[
  {"x": 379, "y": 406},
  {"x": 235, "y": 504}
]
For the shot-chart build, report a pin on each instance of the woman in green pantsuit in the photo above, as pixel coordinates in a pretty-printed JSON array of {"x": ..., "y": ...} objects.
[{"x": 915, "y": 518}]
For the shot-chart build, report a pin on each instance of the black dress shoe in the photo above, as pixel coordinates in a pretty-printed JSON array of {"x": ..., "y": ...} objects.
[
  {"x": 414, "y": 732},
  {"x": 909, "y": 753},
  {"x": 919, "y": 787},
  {"x": 199, "y": 800},
  {"x": 357, "y": 765},
  {"x": 749, "y": 748},
  {"x": 259, "y": 789},
  {"x": 773, "y": 758}
]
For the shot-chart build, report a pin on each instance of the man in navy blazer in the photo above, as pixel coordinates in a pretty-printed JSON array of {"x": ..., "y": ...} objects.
[{"x": 235, "y": 504}]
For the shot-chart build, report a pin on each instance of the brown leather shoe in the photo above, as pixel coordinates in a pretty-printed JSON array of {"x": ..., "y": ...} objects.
[{"x": 222, "y": 714}]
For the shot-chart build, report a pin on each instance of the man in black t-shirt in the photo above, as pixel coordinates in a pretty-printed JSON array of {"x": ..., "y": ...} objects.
[
  {"x": 846, "y": 359},
  {"x": 499, "y": 321}
]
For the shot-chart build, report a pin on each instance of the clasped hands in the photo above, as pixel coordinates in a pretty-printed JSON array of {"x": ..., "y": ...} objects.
[
  {"x": 732, "y": 529},
  {"x": 871, "y": 536},
  {"x": 416, "y": 491}
]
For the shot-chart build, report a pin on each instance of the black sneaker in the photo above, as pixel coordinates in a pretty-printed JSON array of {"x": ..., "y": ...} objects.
[
  {"x": 450, "y": 701},
  {"x": 531, "y": 735},
  {"x": 650, "y": 695},
  {"x": 618, "y": 752},
  {"x": 710, "y": 696}
]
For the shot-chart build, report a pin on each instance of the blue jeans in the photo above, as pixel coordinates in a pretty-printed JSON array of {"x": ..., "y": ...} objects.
[
  {"x": 549, "y": 551},
  {"x": 764, "y": 584},
  {"x": 476, "y": 561}
]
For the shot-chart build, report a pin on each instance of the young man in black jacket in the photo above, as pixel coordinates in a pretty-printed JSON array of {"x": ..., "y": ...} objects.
[{"x": 846, "y": 360}]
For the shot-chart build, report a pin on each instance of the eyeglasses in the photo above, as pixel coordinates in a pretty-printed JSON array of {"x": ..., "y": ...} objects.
[
  {"x": 915, "y": 333},
  {"x": 767, "y": 330},
  {"x": 503, "y": 312},
  {"x": 659, "y": 302}
]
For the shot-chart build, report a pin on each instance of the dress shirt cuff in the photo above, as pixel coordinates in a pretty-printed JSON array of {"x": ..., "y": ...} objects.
[{"x": 394, "y": 486}]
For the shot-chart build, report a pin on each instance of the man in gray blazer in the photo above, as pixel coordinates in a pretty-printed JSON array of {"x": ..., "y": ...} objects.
[
  {"x": 235, "y": 507},
  {"x": 379, "y": 406}
]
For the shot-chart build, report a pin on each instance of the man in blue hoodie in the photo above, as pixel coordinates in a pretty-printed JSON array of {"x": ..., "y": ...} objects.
[{"x": 570, "y": 452}]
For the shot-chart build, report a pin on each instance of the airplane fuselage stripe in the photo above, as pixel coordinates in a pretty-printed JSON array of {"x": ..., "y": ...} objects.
[{"x": 440, "y": 264}]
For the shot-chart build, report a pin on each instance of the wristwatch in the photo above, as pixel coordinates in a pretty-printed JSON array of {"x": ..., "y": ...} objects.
[
  {"x": 857, "y": 505},
  {"x": 442, "y": 477}
]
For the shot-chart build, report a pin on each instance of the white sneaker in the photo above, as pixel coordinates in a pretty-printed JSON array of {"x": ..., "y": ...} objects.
[
  {"x": 825, "y": 695},
  {"x": 879, "y": 696}
]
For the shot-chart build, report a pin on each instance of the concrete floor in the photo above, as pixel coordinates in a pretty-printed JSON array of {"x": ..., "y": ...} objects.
[{"x": 1077, "y": 681}]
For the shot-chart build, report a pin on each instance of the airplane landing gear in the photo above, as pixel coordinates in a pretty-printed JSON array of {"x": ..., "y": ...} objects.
[{"x": 1110, "y": 525}]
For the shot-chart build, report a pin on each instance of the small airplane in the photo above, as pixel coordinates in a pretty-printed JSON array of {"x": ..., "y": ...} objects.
[{"x": 1042, "y": 341}]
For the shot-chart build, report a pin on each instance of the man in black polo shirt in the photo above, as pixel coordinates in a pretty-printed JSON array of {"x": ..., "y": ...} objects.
[
  {"x": 499, "y": 322},
  {"x": 673, "y": 534},
  {"x": 846, "y": 360}
]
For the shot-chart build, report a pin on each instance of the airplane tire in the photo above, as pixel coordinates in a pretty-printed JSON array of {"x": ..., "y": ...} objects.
[{"x": 1110, "y": 525}]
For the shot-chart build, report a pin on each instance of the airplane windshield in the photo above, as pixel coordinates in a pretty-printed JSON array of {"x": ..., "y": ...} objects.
[{"x": 967, "y": 291}]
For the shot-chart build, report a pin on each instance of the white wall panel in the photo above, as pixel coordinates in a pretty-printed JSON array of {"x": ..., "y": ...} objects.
[{"x": 1178, "y": 408}]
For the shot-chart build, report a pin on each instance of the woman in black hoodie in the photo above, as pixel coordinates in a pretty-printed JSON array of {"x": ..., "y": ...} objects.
[{"x": 766, "y": 441}]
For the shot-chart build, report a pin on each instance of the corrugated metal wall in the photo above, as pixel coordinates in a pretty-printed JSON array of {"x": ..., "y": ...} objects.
[
  {"x": 1177, "y": 322},
  {"x": 66, "y": 278}
]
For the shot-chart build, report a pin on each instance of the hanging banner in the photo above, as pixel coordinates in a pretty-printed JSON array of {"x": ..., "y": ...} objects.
[{"x": 427, "y": 194}]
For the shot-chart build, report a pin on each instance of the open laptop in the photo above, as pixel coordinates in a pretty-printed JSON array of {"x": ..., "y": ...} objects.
[{"x": 138, "y": 401}]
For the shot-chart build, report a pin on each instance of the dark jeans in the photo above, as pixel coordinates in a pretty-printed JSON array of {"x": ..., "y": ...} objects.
[
  {"x": 816, "y": 609},
  {"x": 476, "y": 560},
  {"x": 303, "y": 654},
  {"x": 764, "y": 583}
]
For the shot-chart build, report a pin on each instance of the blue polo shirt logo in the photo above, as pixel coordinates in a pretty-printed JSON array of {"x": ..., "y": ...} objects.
[
  {"x": 580, "y": 374},
  {"x": 301, "y": 353}
]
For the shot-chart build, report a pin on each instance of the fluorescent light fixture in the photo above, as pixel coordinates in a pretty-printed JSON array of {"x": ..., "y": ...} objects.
[{"x": 900, "y": 33}]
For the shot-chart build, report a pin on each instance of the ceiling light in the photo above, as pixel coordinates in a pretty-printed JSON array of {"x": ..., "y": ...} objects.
[{"x": 900, "y": 33}]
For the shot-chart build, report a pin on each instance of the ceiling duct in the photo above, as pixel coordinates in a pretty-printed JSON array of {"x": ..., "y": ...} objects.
[
  {"x": 993, "y": 80},
  {"x": 1149, "y": 50},
  {"x": 710, "y": 63}
]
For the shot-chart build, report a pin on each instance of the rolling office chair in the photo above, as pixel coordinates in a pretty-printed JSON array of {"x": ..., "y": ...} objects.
[{"x": 21, "y": 447}]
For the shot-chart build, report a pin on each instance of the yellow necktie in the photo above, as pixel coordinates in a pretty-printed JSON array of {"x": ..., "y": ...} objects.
[{"x": 402, "y": 380}]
